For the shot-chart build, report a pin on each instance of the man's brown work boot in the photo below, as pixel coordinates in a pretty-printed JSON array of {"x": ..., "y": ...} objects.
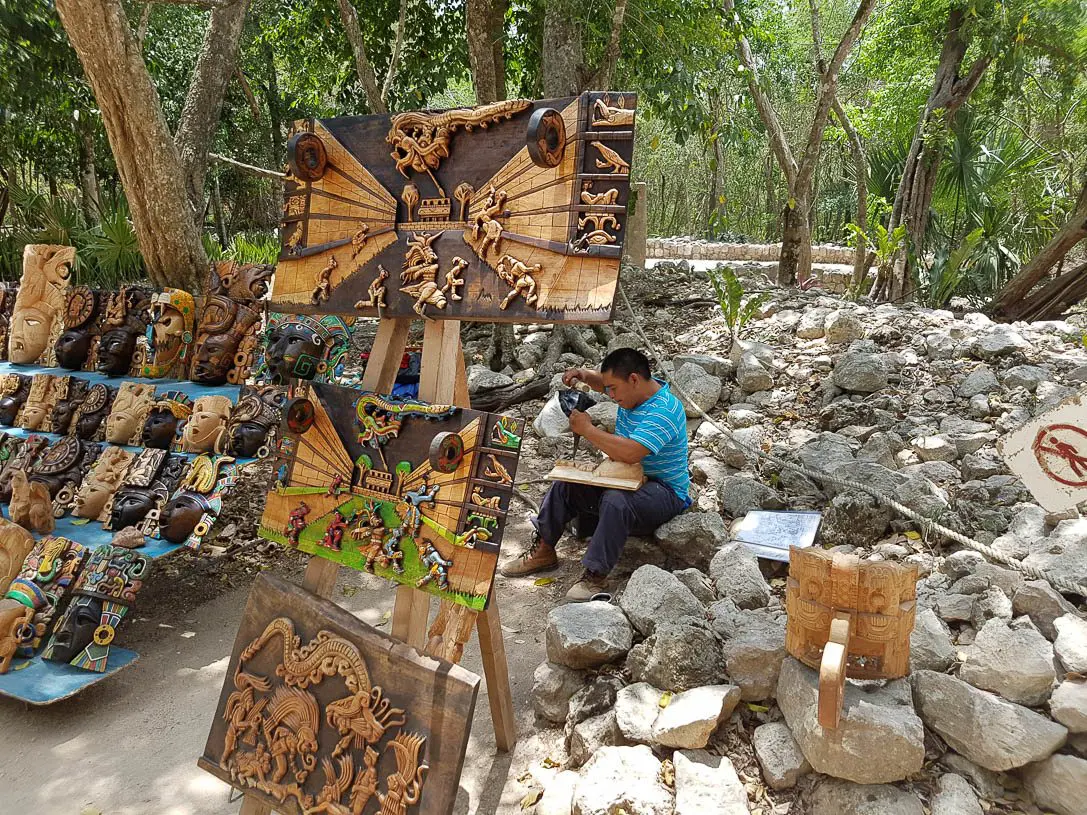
[
  {"x": 588, "y": 586},
  {"x": 539, "y": 558}
]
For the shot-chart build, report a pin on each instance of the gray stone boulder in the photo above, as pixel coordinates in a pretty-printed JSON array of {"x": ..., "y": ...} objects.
[
  {"x": 1068, "y": 705},
  {"x": 834, "y": 797},
  {"x": 481, "y": 378},
  {"x": 589, "y": 736},
  {"x": 739, "y": 494},
  {"x": 752, "y": 375},
  {"x": 717, "y": 366},
  {"x": 593, "y": 699},
  {"x": 692, "y": 716},
  {"x": 934, "y": 448},
  {"x": 692, "y": 537},
  {"x": 931, "y": 648},
  {"x": 1015, "y": 661},
  {"x": 699, "y": 583},
  {"x": 826, "y": 452},
  {"x": 1026, "y": 376},
  {"x": 587, "y": 635},
  {"x": 954, "y": 796},
  {"x": 1071, "y": 643},
  {"x": 736, "y": 576},
  {"x": 754, "y": 652},
  {"x": 979, "y": 381},
  {"x": 780, "y": 757},
  {"x": 876, "y": 721},
  {"x": 998, "y": 341},
  {"x": 860, "y": 373},
  {"x": 678, "y": 657},
  {"x": 604, "y": 414},
  {"x": 997, "y": 734},
  {"x": 1064, "y": 553},
  {"x": 986, "y": 782},
  {"x": 700, "y": 390},
  {"x": 654, "y": 596},
  {"x": 854, "y": 519},
  {"x": 812, "y": 324},
  {"x": 1042, "y": 603},
  {"x": 552, "y": 687},
  {"x": 1058, "y": 784},
  {"x": 843, "y": 327},
  {"x": 622, "y": 779},
  {"x": 707, "y": 785}
]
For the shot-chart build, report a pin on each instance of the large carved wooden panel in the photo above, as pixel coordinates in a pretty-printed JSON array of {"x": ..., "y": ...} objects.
[
  {"x": 510, "y": 211},
  {"x": 879, "y": 597},
  {"x": 321, "y": 713},
  {"x": 414, "y": 492}
]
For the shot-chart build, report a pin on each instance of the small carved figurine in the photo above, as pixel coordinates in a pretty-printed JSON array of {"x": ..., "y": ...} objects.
[
  {"x": 39, "y": 306},
  {"x": 21, "y": 460},
  {"x": 103, "y": 593},
  {"x": 15, "y": 544},
  {"x": 14, "y": 390},
  {"x": 102, "y": 482},
  {"x": 170, "y": 336},
  {"x": 224, "y": 328},
  {"x": 126, "y": 419},
  {"x": 82, "y": 314},
  {"x": 168, "y": 415},
  {"x": 206, "y": 428},
  {"x": 30, "y": 506}
]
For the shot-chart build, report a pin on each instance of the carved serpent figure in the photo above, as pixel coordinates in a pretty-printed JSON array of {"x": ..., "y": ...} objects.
[{"x": 325, "y": 655}]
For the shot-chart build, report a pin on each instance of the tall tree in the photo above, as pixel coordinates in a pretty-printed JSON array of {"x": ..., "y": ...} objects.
[
  {"x": 146, "y": 156},
  {"x": 376, "y": 95},
  {"x": 485, "y": 32},
  {"x": 565, "y": 70},
  {"x": 794, "y": 263}
]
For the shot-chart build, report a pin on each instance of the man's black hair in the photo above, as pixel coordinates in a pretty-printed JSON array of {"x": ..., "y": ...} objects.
[{"x": 622, "y": 362}]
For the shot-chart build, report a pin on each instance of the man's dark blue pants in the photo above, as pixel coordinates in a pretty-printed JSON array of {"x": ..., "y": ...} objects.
[{"x": 610, "y": 515}]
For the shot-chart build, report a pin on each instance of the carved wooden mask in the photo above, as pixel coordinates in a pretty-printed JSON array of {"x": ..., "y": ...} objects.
[{"x": 39, "y": 306}]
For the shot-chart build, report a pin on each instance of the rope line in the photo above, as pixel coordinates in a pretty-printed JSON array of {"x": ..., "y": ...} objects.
[{"x": 928, "y": 525}]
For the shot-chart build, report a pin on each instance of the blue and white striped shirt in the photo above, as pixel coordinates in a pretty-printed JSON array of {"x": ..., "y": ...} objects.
[{"x": 660, "y": 425}]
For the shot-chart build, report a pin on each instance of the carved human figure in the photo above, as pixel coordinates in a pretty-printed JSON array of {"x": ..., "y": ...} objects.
[
  {"x": 67, "y": 405},
  {"x": 15, "y": 388},
  {"x": 304, "y": 347},
  {"x": 125, "y": 422},
  {"x": 125, "y": 322},
  {"x": 39, "y": 304},
  {"x": 91, "y": 414},
  {"x": 102, "y": 482},
  {"x": 81, "y": 311},
  {"x": 453, "y": 280},
  {"x": 223, "y": 327},
  {"x": 38, "y": 410},
  {"x": 257, "y": 412},
  {"x": 204, "y": 431},
  {"x": 173, "y": 319},
  {"x": 519, "y": 277},
  {"x": 167, "y": 415}
]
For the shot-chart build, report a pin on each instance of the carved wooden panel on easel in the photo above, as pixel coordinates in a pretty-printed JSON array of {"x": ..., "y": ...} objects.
[
  {"x": 512, "y": 211},
  {"x": 321, "y": 713},
  {"x": 880, "y": 598},
  {"x": 414, "y": 492}
]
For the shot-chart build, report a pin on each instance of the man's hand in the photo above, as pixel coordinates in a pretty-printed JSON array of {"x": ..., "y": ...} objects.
[
  {"x": 580, "y": 423},
  {"x": 586, "y": 375}
]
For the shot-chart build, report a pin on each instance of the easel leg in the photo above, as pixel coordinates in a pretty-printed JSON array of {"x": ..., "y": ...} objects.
[
  {"x": 410, "y": 614},
  {"x": 252, "y": 806},
  {"x": 496, "y": 670}
]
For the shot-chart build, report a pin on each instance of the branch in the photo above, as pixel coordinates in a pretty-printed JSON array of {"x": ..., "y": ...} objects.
[
  {"x": 817, "y": 36},
  {"x": 362, "y": 62},
  {"x": 849, "y": 39},
  {"x": 247, "y": 168},
  {"x": 766, "y": 110},
  {"x": 604, "y": 75},
  {"x": 253, "y": 106},
  {"x": 962, "y": 88},
  {"x": 145, "y": 18},
  {"x": 394, "y": 60}
]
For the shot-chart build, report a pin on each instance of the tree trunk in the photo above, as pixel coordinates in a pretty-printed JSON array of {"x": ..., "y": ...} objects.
[
  {"x": 485, "y": 33},
  {"x": 563, "y": 53},
  {"x": 795, "y": 243},
  {"x": 1054, "y": 299},
  {"x": 860, "y": 172},
  {"x": 204, "y": 101},
  {"x": 146, "y": 156},
  {"x": 271, "y": 97},
  {"x": 913, "y": 198},
  {"x": 88, "y": 175},
  {"x": 217, "y": 211},
  {"x": 1009, "y": 303},
  {"x": 605, "y": 74},
  {"x": 362, "y": 61}
]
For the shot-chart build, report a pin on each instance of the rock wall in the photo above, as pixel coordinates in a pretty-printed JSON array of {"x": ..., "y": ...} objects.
[{"x": 696, "y": 249}]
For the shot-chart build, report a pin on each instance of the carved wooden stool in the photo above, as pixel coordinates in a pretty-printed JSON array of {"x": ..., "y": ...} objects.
[{"x": 848, "y": 617}]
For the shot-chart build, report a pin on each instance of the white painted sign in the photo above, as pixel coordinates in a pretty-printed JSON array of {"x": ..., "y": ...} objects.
[
  {"x": 1050, "y": 455},
  {"x": 769, "y": 534}
]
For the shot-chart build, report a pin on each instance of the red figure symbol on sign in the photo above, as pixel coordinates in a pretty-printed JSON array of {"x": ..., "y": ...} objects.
[{"x": 1061, "y": 450}]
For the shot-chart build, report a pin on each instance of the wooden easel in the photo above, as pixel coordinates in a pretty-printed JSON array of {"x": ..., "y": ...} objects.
[{"x": 443, "y": 380}]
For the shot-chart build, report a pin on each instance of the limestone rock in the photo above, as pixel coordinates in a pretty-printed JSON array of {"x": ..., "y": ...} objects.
[
  {"x": 736, "y": 576},
  {"x": 699, "y": 584},
  {"x": 843, "y": 327},
  {"x": 753, "y": 655},
  {"x": 1071, "y": 642},
  {"x": 954, "y": 796},
  {"x": 622, "y": 778},
  {"x": 812, "y": 322},
  {"x": 593, "y": 699},
  {"x": 998, "y": 341},
  {"x": 591, "y": 735},
  {"x": 678, "y": 657},
  {"x": 752, "y": 375},
  {"x": 779, "y": 755},
  {"x": 979, "y": 381},
  {"x": 558, "y": 796},
  {"x": 604, "y": 414},
  {"x": 739, "y": 494},
  {"x": 1058, "y": 784},
  {"x": 716, "y": 366},
  {"x": 707, "y": 785},
  {"x": 481, "y": 378},
  {"x": 1015, "y": 662},
  {"x": 693, "y": 537},
  {"x": 997, "y": 734},
  {"x": 985, "y": 781},
  {"x": 931, "y": 648},
  {"x": 700, "y": 389},
  {"x": 692, "y": 716},
  {"x": 1042, "y": 603},
  {"x": 654, "y": 596},
  {"x": 552, "y": 687},
  {"x": 875, "y": 721},
  {"x": 636, "y": 709},
  {"x": 587, "y": 635},
  {"x": 1068, "y": 704},
  {"x": 860, "y": 373},
  {"x": 1026, "y": 376},
  {"x": 833, "y": 797}
]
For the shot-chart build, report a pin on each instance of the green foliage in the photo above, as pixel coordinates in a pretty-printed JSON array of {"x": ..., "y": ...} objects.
[
  {"x": 947, "y": 272},
  {"x": 737, "y": 308}
]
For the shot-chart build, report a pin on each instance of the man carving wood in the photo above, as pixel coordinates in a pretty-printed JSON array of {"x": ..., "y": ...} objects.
[{"x": 650, "y": 429}]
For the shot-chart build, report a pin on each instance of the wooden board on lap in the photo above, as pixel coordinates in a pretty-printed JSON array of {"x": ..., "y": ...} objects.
[
  {"x": 320, "y": 712},
  {"x": 507, "y": 212}
]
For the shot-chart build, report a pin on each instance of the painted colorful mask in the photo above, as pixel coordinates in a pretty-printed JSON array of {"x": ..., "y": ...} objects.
[
  {"x": 170, "y": 335},
  {"x": 303, "y": 347},
  {"x": 226, "y": 328},
  {"x": 189, "y": 514}
]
